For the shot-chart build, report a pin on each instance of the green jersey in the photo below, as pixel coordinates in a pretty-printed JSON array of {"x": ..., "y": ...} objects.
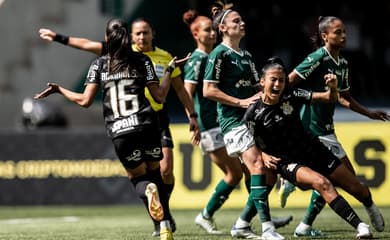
[
  {"x": 318, "y": 117},
  {"x": 193, "y": 73},
  {"x": 235, "y": 74}
]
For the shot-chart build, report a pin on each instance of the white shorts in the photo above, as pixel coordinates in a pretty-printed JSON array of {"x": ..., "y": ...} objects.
[
  {"x": 211, "y": 140},
  {"x": 238, "y": 140},
  {"x": 333, "y": 144}
]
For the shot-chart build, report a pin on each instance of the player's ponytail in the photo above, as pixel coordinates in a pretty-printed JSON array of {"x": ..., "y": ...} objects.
[{"x": 118, "y": 45}]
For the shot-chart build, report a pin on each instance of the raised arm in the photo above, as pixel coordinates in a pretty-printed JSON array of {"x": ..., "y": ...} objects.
[
  {"x": 75, "y": 42},
  {"x": 331, "y": 95}
]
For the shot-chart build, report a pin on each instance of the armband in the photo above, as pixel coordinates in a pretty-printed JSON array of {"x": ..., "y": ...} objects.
[
  {"x": 194, "y": 115},
  {"x": 61, "y": 39}
]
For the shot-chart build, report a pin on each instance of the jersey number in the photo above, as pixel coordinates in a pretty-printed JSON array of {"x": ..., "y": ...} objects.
[{"x": 122, "y": 103}]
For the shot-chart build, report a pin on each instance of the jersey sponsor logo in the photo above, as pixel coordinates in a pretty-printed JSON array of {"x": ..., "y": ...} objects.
[
  {"x": 218, "y": 68},
  {"x": 125, "y": 124},
  {"x": 243, "y": 83},
  {"x": 135, "y": 156},
  {"x": 149, "y": 72},
  {"x": 329, "y": 127},
  {"x": 312, "y": 68},
  {"x": 155, "y": 152}
]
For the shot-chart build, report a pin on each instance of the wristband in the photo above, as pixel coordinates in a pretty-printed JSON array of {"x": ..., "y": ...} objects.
[
  {"x": 170, "y": 69},
  {"x": 61, "y": 39},
  {"x": 194, "y": 115}
]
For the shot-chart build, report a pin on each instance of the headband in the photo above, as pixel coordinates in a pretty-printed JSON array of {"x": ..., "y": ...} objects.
[{"x": 224, "y": 15}]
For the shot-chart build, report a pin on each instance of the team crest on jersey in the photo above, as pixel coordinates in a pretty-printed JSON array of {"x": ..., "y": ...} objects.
[{"x": 287, "y": 108}]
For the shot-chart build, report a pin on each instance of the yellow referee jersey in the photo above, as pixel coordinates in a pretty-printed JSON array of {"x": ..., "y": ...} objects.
[{"x": 160, "y": 59}]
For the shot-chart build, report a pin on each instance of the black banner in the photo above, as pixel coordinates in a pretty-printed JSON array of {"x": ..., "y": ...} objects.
[{"x": 61, "y": 167}]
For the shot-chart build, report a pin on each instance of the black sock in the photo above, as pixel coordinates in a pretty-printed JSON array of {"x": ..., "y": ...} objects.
[
  {"x": 140, "y": 184},
  {"x": 367, "y": 201},
  {"x": 344, "y": 210}
]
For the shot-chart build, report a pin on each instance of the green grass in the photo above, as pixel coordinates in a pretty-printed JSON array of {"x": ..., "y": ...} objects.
[{"x": 132, "y": 222}]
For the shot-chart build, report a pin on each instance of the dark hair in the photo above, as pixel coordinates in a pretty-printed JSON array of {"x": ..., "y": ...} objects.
[
  {"x": 323, "y": 25},
  {"x": 118, "y": 44},
  {"x": 271, "y": 63},
  {"x": 190, "y": 16},
  {"x": 219, "y": 10}
]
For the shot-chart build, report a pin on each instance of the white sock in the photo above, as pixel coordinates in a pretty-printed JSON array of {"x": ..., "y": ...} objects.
[
  {"x": 165, "y": 224},
  {"x": 267, "y": 226},
  {"x": 241, "y": 223},
  {"x": 302, "y": 227}
]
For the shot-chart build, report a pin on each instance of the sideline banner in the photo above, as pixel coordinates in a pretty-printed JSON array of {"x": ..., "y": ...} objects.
[
  {"x": 367, "y": 144},
  {"x": 80, "y": 167}
]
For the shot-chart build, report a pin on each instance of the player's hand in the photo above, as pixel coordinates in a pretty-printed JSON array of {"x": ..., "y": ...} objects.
[
  {"x": 47, "y": 34},
  {"x": 51, "y": 88},
  {"x": 270, "y": 161},
  {"x": 379, "y": 115},
  {"x": 194, "y": 128},
  {"x": 331, "y": 80}
]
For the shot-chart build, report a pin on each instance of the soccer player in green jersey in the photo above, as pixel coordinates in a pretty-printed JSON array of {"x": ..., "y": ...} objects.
[
  {"x": 231, "y": 80},
  {"x": 211, "y": 142},
  {"x": 318, "y": 117}
]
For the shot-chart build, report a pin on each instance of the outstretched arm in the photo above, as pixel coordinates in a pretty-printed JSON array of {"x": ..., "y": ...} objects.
[
  {"x": 75, "y": 42},
  {"x": 84, "y": 99},
  {"x": 348, "y": 101}
]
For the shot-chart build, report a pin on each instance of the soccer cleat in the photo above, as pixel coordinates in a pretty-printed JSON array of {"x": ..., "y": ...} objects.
[
  {"x": 363, "y": 231},
  {"x": 207, "y": 224},
  {"x": 309, "y": 232},
  {"x": 166, "y": 234},
  {"x": 156, "y": 232},
  {"x": 286, "y": 188},
  {"x": 376, "y": 218},
  {"x": 281, "y": 221},
  {"x": 270, "y": 234},
  {"x": 245, "y": 232},
  {"x": 154, "y": 206}
]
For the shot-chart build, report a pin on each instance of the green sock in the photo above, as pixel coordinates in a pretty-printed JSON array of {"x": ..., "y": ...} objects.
[
  {"x": 259, "y": 194},
  {"x": 221, "y": 193},
  {"x": 317, "y": 203}
]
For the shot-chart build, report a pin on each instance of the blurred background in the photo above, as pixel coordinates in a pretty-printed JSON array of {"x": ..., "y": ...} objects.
[
  {"x": 55, "y": 152},
  {"x": 27, "y": 63}
]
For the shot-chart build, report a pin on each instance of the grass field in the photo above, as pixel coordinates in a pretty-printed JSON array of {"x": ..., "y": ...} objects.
[{"x": 131, "y": 222}]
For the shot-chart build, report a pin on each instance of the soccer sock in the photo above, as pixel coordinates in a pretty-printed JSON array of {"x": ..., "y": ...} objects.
[
  {"x": 344, "y": 210},
  {"x": 140, "y": 184},
  {"x": 259, "y": 194},
  {"x": 169, "y": 188},
  {"x": 249, "y": 210},
  {"x": 316, "y": 204},
  {"x": 219, "y": 196},
  {"x": 367, "y": 201}
]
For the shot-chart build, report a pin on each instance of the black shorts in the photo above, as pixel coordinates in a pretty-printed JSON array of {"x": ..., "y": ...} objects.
[
  {"x": 165, "y": 132},
  {"x": 317, "y": 157},
  {"x": 134, "y": 148}
]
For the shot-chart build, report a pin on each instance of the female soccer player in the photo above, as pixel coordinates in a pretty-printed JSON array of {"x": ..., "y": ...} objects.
[
  {"x": 231, "y": 79},
  {"x": 299, "y": 157},
  {"x": 211, "y": 142},
  {"x": 123, "y": 75},
  {"x": 318, "y": 118},
  {"x": 142, "y": 34}
]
